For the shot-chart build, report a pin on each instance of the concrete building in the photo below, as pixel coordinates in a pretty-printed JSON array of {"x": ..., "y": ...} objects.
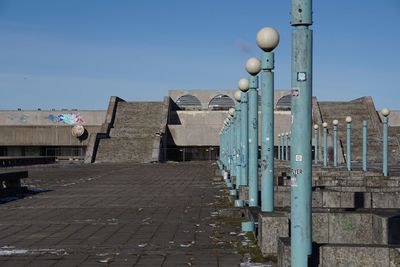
[{"x": 184, "y": 126}]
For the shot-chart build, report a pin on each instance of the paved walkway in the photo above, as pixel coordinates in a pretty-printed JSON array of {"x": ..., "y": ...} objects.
[{"x": 118, "y": 215}]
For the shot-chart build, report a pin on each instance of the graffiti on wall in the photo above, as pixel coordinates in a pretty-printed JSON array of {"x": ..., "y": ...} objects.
[{"x": 69, "y": 119}]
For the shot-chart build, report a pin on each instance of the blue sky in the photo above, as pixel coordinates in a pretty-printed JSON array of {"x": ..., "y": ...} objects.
[{"x": 76, "y": 54}]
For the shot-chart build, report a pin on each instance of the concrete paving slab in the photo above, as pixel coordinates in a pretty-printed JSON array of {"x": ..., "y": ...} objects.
[{"x": 118, "y": 215}]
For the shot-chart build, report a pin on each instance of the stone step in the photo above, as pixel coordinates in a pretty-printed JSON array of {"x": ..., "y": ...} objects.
[
  {"x": 333, "y": 227},
  {"x": 136, "y": 132},
  {"x": 133, "y": 134}
]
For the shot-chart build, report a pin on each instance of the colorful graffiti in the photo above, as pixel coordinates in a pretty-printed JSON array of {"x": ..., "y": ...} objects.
[{"x": 67, "y": 118}]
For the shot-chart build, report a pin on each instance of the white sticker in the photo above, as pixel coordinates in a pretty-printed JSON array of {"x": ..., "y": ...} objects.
[
  {"x": 299, "y": 158},
  {"x": 250, "y": 140},
  {"x": 267, "y": 139},
  {"x": 293, "y": 181}
]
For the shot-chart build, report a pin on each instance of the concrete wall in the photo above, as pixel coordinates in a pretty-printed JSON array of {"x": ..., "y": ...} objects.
[
  {"x": 51, "y": 118},
  {"x": 201, "y": 128},
  {"x": 42, "y": 136}
]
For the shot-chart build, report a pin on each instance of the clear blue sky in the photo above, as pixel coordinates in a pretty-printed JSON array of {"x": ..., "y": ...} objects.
[{"x": 75, "y": 53}]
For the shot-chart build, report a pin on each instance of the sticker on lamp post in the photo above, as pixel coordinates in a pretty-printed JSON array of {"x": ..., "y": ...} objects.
[
  {"x": 301, "y": 76},
  {"x": 299, "y": 158}
]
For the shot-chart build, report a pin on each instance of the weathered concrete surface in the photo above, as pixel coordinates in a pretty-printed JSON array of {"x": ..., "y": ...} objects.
[
  {"x": 119, "y": 215},
  {"x": 49, "y": 117},
  {"x": 284, "y": 252},
  {"x": 272, "y": 225},
  {"x": 359, "y": 256},
  {"x": 42, "y": 136}
]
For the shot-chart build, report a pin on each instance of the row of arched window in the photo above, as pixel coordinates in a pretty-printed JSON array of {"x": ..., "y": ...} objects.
[{"x": 224, "y": 102}]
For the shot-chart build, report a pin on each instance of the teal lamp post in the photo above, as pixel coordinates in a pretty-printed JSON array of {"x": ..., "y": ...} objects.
[
  {"x": 325, "y": 125},
  {"x": 316, "y": 134},
  {"x": 348, "y": 154},
  {"x": 365, "y": 145},
  {"x": 267, "y": 39},
  {"x": 238, "y": 139},
  {"x": 253, "y": 67},
  {"x": 335, "y": 148},
  {"x": 283, "y": 136},
  {"x": 243, "y": 85},
  {"x": 385, "y": 112},
  {"x": 231, "y": 112},
  {"x": 279, "y": 146},
  {"x": 301, "y": 150},
  {"x": 287, "y": 146}
]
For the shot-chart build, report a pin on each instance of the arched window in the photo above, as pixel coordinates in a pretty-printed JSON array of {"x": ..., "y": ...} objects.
[
  {"x": 188, "y": 102},
  {"x": 284, "y": 103},
  {"x": 221, "y": 102}
]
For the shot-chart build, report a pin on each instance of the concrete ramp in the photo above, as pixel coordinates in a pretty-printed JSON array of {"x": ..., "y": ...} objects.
[
  {"x": 136, "y": 133},
  {"x": 359, "y": 109}
]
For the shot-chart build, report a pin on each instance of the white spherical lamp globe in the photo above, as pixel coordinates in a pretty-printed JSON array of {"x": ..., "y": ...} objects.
[
  {"x": 253, "y": 66},
  {"x": 237, "y": 95},
  {"x": 385, "y": 112},
  {"x": 348, "y": 119},
  {"x": 335, "y": 122},
  {"x": 325, "y": 124},
  {"x": 267, "y": 39},
  {"x": 316, "y": 126},
  {"x": 243, "y": 85},
  {"x": 77, "y": 131}
]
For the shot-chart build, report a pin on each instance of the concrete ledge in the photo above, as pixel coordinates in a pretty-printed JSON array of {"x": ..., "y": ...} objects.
[
  {"x": 272, "y": 225},
  {"x": 244, "y": 192},
  {"x": 358, "y": 256}
]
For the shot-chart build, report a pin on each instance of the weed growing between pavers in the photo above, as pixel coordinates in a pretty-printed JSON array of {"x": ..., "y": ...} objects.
[{"x": 250, "y": 250}]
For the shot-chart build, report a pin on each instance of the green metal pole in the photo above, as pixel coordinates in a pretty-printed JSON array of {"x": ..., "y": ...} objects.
[
  {"x": 316, "y": 144},
  {"x": 267, "y": 131},
  {"x": 385, "y": 146},
  {"x": 365, "y": 144},
  {"x": 301, "y": 163},
  {"x": 325, "y": 145},
  {"x": 279, "y": 146},
  {"x": 253, "y": 141},
  {"x": 335, "y": 154},
  {"x": 282, "y": 146},
  {"x": 244, "y": 138},
  {"x": 348, "y": 154},
  {"x": 238, "y": 145},
  {"x": 287, "y": 146}
]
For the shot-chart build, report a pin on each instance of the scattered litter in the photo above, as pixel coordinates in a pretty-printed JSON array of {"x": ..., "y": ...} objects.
[
  {"x": 142, "y": 245},
  {"x": 7, "y": 251},
  {"x": 197, "y": 225},
  {"x": 140, "y": 209},
  {"x": 187, "y": 245},
  {"x": 171, "y": 242},
  {"x": 252, "y": 264},
  {"x": 148, "y": 220},
  {"x": 105, "y": 260},
  {"x": 10, "y": 252}
]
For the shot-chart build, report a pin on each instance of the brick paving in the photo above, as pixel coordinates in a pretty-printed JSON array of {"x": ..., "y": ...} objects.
[{"x": 118, "y": 215}]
